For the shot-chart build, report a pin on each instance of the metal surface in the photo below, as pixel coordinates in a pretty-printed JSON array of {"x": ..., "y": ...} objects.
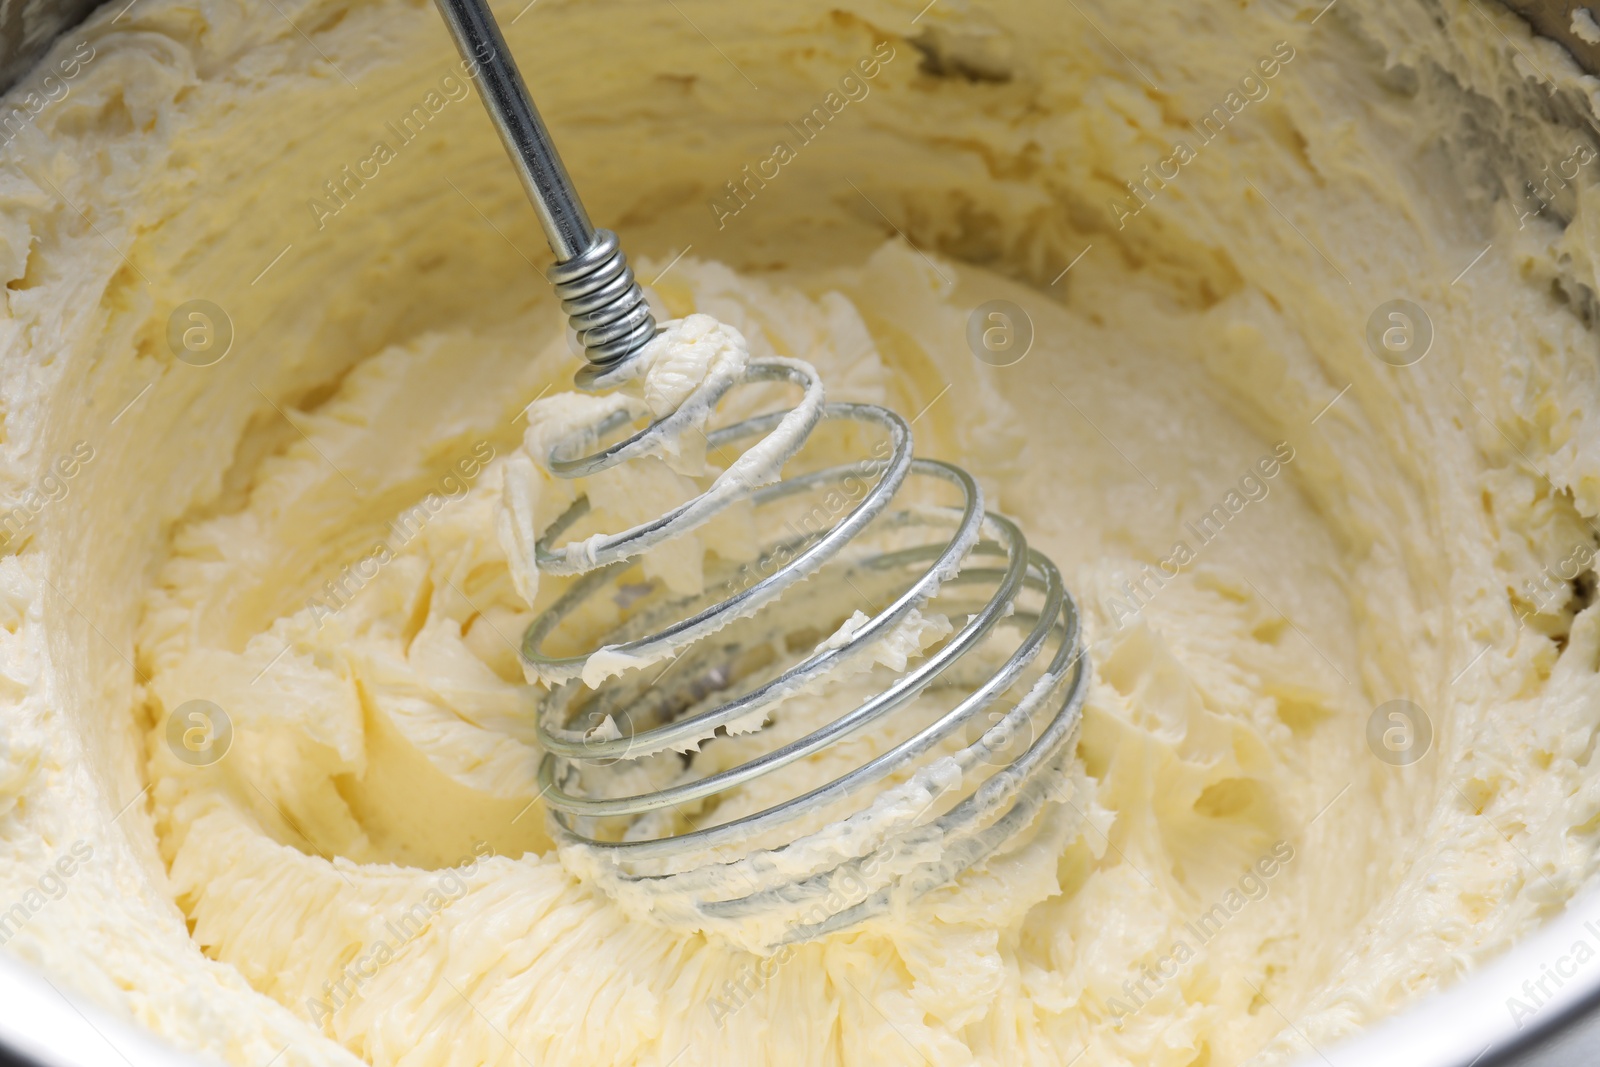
[
  {"x": 1536, "y": 1005},
  {"x": 1009, "y": 767},
  {"x": 607, "y": 311},
  {"x": 1468, "y": 1025},
  {"x": 605, "y": 306},
  {"x": 43, "y": 1024},
  {"x": 1555, "y": 19},
  {"x": 28, "y": 28},
  {"x": 522, "y": 131}
]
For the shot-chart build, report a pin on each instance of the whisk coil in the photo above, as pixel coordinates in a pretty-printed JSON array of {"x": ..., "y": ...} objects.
[
  {"x": 891, "y": 847},
  {"x": 604, "y": 305}
]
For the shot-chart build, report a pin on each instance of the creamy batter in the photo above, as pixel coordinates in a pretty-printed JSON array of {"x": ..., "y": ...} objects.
[{"x": 1307, "y": 420}]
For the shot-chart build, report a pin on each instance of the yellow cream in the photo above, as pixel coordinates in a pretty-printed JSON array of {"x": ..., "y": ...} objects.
[{"x": 1307, "y": 420}]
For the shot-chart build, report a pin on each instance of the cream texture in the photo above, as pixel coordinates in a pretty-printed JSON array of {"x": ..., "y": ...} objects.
[{"x": 327, "y": 533}]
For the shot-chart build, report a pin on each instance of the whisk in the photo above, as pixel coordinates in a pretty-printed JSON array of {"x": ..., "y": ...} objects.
[{"x": 629, "y": 807}]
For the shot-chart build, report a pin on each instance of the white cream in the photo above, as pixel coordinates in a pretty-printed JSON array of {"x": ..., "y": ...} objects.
[{"x": 1417, "y": 538}]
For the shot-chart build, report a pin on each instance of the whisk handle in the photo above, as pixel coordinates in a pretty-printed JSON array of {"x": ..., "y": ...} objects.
[
  {"x": 522, "y": 131},
  {"x": 607, "y": 311}
]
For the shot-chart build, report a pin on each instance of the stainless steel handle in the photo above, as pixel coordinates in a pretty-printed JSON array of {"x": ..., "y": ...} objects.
[
  {"x": 604, "y": 304},
  {"x": 522, "y": 131}
]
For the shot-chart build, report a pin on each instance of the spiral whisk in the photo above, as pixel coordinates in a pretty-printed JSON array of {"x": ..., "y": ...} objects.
[
  {"x": 620, "y": 775},
  {"x": 604, "y": 305},
  {"x": 723, "y": 793}
]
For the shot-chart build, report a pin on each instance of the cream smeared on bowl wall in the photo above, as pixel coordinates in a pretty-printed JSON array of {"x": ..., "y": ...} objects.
[{"x": 380, "y": 745}]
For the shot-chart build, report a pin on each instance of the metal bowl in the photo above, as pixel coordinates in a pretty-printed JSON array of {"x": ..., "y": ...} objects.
[
  {"x": 1554, "y": 19},
  {"x": 1470, "y": 1024},
  {"x": 28, "y": 28}
]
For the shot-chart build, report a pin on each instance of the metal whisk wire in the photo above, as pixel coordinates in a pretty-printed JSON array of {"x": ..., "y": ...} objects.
[
  {"x": 610, "y": 789},
  {"x": 579, "y": 765}
]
